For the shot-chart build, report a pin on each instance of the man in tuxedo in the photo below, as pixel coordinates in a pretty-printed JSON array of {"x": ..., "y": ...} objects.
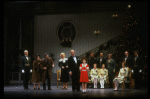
[
  {"x": 137, "y": 68},
  {"x": 74, "y": 64},
  {"x": 25, "y": 63},
  {"x": 92, "y": 61},
  {"x": 128, "y": 62},
  {"x": 127, "y": 59},
  {"x": 101, "y": 61},
  {"x": 46, "y": 66}
]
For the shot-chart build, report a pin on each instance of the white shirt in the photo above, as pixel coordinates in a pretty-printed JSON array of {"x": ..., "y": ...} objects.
[
  {"x": 26, "y": 57},
  {"x": 75, "y": 59},
  {"x": 100, "y": 60},
  {"x": 136, "y": 57}
]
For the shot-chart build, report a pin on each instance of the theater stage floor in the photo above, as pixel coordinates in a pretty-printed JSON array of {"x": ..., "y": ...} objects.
[{"x": 11, "y": 91}]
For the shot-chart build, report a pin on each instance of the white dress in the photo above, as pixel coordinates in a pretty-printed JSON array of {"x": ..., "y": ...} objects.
[
  {"x": 122, "y": 73},
  {"x": 94, "y": 74},
  {"x": 103, "y": 74}
]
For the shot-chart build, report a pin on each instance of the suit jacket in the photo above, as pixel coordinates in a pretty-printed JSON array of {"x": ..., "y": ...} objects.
[
  {"x": 91, "y": 62},
  {"x": 73, "y": 66},
  {"x": 128, "y": 61},
  {"x": 47, "y": 64},
  {"x": 23, "y": 60},
  {"x": 99, "y": 65},
  {"x": 111, "y": 64},
  {"x": 138, "y": 63}
]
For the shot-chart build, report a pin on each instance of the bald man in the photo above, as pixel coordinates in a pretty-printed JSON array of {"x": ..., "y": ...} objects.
[{"x": 73, "y": 65}]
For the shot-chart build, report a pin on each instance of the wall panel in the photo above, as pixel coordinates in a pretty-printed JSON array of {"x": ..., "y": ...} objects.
[{"x": 46, "y": 39}]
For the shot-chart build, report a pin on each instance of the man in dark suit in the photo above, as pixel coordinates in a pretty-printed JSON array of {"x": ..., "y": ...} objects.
[
  {"x": 128, "y": 63},
  {"x": 101, "y": 61},
  {"x": 111, "y": 67},
  {"x": 74, "y": 64},
  {"x": 25, "y": 63},
  {"x": 127, "y": 59},
  {"x": 137, "y": 68},
  {"x": 46, "y": 66},
  {"x": 92, "y": 61}
]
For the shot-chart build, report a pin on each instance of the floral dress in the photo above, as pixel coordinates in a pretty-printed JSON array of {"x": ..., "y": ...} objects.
[
  {"x": 94, "y": 74},
  {"x": 122, "y": 73}
]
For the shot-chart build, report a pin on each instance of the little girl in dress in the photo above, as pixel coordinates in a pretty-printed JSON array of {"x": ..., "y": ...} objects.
[{"x": 84, "y": 67}]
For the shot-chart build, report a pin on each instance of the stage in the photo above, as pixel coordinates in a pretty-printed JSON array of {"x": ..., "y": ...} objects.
[{"x": 11, "y": 91}]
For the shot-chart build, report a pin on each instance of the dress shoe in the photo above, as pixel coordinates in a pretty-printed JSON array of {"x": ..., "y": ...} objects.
[
  {"x": 115, "y": 89},
  {"x": 49, "y": 89}
]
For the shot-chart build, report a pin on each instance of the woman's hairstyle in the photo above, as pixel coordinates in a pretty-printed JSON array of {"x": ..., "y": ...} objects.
[
  {"x": 103, "y": 64},
  {"x": 83, "y": 59},
  {"x": 94, "y": 64},
  {"x": 62, "y": 54},
  {"x": 35, "y": 56},
  {"x": 124, "y": 63}
]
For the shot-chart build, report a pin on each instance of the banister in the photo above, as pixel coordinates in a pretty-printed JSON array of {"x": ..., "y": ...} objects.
[{"x": 99, "y": 46}]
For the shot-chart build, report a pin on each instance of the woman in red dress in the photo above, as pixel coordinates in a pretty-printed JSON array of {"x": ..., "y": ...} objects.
[{"x": 84, "y": 67}]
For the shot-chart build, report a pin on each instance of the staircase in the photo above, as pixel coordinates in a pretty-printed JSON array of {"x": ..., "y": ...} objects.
[{"x": 106, "y": 48}]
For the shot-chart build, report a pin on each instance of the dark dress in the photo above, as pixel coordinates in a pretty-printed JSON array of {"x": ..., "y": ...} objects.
[{"x": 64, "y": 71}]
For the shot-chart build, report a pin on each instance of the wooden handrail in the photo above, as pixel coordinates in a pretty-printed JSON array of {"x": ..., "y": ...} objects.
[{"x": 98, "y": 46}]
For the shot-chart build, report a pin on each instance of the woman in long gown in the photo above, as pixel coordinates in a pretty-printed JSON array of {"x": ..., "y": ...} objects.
[
  {"x": 103, "y": 73},
  {"x": 94, "y": 75},
  {"x": 63, "y": 63},
  {"x": 121, "y": 76}
]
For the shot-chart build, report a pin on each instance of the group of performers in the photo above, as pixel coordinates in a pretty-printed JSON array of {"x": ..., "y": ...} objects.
[{"x": 79, "y": 69}]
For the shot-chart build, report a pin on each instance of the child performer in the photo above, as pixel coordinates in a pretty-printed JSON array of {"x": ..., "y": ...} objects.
[{"x": 84, "y": 67}]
